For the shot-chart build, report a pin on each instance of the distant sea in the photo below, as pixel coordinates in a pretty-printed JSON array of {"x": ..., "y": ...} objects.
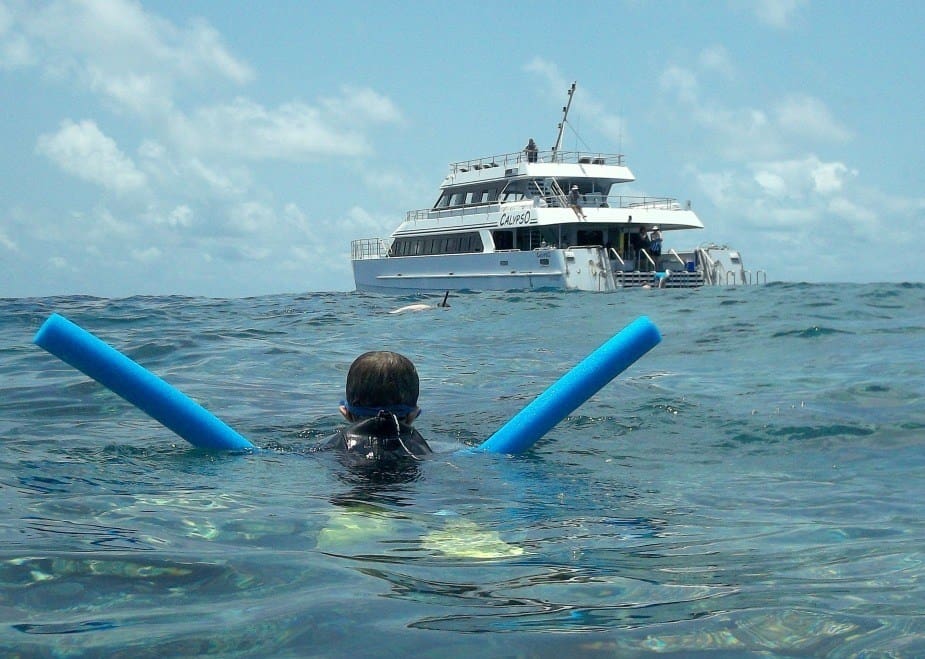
[{"x": 752, "y": 486}]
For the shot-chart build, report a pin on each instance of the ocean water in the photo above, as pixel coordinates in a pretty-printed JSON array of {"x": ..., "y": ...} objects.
[{"x": 752, "y": 486}]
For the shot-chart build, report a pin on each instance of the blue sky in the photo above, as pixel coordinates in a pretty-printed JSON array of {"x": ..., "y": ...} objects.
[{"x": 232, "y": 149}]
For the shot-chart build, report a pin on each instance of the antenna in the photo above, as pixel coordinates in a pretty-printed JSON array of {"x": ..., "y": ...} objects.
[{"x": 565, "y": 110}]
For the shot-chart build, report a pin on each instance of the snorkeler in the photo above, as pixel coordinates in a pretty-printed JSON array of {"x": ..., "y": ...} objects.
[{"x": 381, "y": 406}]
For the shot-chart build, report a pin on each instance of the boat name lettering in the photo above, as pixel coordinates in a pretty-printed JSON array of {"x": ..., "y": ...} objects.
[{"x": 514, "y": 219}]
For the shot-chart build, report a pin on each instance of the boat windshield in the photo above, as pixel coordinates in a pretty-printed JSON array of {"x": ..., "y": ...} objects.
[{"x": 594, "y": 192}]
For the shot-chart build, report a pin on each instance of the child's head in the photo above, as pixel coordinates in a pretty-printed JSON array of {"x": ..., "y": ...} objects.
[{"x": 381, "y": 380}]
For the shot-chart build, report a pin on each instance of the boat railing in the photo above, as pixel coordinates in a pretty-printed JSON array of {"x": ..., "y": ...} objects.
[
  {"x": 760, "y": 277},
  {"x": 596, "y": 200},
  {"x": 645, "y": 254},
  {"x": 708, "y": 265},
  {"x": 507, "y": 160},
  {"x": 659, "y": 203},
  {"x": 369, "y": 248},
  {"x": 615, "y": 256},
  {"x": 546, "y": 201},
  {"x": 455, "y": 211}
]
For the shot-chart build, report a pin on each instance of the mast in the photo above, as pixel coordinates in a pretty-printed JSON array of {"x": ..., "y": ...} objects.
[{"x": 565, "y": 110}]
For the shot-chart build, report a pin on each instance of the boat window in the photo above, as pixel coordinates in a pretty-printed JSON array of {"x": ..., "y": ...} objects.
[
  {"x": 528, "y": 239},
  {"x": 549, "y": 235},
  {"x": 594, "y": 237},
  {"x": 503, "y": 239},
  {"x": 460, "y": 243},
  {"x": 466, "y": 197},
  {"x": 513, "y": 192}
]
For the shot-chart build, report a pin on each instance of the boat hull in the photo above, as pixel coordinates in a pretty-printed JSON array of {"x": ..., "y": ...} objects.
[{"x": 576, "y": 268}]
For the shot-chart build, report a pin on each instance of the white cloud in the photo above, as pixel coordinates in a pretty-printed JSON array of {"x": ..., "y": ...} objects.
[
  {"x": 611, "y": 125},
  {"x": 680, "y": 82},
  {"x": 119, "y": 36},
  {"x": 854, "y": 213},
  {"x": 141, "y": 94},
  {"x": 15, "y": 50},
  {"x": 738, "y": 132},
  {"x": 237, "y": 252},
  {"x": 15, "y": 53},
  {"x": 775, "y": 13},
  {"x": 771, "y": 183},
  {"x": 829, "y": 177},
  {"x": 203, "y": 48},
  {"x": 180, "y": 217},
  {"x": 798, "y": 191},
  {"x": 361, "y": 105},
  {"x": 245, "y": 129},
  {"x": 779, "y": 212},
  {"x": 7, "y": 242},
  {"x": 134, "y": 59},
  {"x": 83, "y": 150},
  {"x": 717, "y": 58},
  {"x": 251, "y": 218},
  {"x": 362, "y": 220},
  {"x": 718, "y": 187},
  {"x": 6, "y": 20},
  {"x": 548, "y": 72},
  {"x": 805, "y": 116},
  {"x": 139, "y": 62},
  {"x": 181, "y": 174},
  {"x": 743, "y": 133},
  {"x": 189, "y": 189},
  {"x": 103, "y": 227},
  {"x": 802, "y": 178},
  {"x": 147, "y": 255},
  {"x": 297, "y": 220}
]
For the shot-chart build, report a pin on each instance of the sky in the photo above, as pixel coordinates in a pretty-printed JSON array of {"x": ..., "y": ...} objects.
[{"x": 231, "y": 149}]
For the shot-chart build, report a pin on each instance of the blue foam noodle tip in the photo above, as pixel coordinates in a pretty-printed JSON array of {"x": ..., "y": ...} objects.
[
  {"x": 575, "y": 387},
  {"x": 139, "y": 386}
]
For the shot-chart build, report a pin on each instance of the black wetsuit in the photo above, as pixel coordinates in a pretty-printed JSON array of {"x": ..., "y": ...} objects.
[{"x": 381, "y": 442}]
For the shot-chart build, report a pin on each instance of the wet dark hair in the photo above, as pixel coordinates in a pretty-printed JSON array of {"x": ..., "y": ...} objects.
[{"x": 382, "y": 379}]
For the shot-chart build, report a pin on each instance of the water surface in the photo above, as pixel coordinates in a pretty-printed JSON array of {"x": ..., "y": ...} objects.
[{"x": 752, "y": 485}]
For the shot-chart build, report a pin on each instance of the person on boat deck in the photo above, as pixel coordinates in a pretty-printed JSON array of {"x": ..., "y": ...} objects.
[
  {"x": 530, "y": 150},
  {"x": 655, "y": 243},
  {"x": 638, "y": 242},
  {"x": 574, "y": 202},
  {"x": 381, "y": 405}
]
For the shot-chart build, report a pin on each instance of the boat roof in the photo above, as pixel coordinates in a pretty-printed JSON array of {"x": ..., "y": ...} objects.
[{"x": 607, "y": 167}]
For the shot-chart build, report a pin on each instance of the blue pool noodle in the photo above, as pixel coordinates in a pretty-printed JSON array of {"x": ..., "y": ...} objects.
[
  {"x": 139, "y": 386},
  {"x": 575, "y": 387}
]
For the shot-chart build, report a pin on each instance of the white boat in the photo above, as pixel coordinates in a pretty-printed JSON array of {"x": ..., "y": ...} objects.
[{"x": 507, "y": 222}]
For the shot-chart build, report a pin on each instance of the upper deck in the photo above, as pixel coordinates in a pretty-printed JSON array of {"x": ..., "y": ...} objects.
[
  {"x": 608, "y": 167},
  {"x": 508, "y": 160}
]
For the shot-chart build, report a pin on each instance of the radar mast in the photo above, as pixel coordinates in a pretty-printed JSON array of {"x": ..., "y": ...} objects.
[{"x": 571, "y": 93}]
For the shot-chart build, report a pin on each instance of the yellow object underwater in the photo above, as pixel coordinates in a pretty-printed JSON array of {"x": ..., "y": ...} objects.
[
  {"x": 348, "y": 527},
  {"x": 458, "y": 539},
  {"x": 463, "y": 539}
]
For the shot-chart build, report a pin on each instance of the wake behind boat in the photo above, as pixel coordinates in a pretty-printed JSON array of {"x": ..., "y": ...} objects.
[{"x": 542, "y": 219}]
